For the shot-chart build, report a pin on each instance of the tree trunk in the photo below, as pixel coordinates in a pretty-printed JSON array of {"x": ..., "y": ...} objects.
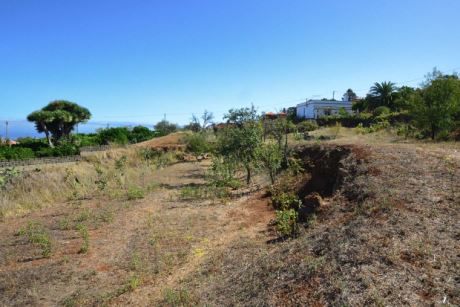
[
  {"x": 48, "y": 138},
  {"x": 286, "y": 149},
  {"x": 433, "y": 131},
  {"x": 272, "y": 177},
  {"x": 248, "y": 175}
]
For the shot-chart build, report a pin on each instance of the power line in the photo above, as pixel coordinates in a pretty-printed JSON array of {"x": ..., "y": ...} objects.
[{"x": 277, "y": 105}]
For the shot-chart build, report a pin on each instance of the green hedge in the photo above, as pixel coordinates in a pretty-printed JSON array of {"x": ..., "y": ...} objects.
[
  {"x": 364, "y": 119},
  {"x": 18, "y": 152},
  {"x": 29, "y": 148},
  {"x": 15, "y": 153}
]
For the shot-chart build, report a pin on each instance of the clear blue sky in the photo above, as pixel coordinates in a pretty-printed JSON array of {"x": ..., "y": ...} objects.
[{"x": 134, "y": 60}]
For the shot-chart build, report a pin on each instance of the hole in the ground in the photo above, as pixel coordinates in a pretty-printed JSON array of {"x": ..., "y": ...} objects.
[
  {"x": 326, "y": 174},
  {"x": 325, "y": 167}
]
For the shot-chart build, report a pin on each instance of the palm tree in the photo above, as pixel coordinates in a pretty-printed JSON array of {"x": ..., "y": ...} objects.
[{"x": 384, "y": 91}]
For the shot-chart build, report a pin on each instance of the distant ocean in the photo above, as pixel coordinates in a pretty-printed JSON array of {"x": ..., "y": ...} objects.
[{"x": 22, "y": 128}]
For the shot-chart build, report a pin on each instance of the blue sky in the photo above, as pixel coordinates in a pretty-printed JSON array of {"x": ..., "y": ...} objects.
[{"x": 134, "y": 60}]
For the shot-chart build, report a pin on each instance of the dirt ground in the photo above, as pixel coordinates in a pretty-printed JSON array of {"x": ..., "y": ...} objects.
[
  {"x": 156, "y": 240},
  {"x": 170, "y": 140},
  {"x": 388, "y": 235}
]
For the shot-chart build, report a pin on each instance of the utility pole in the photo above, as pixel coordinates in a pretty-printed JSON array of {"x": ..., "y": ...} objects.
[
  {"x": 164, "y": 116},
  {"x": 6, "y": 130},
  {"x": 333, "y": 95}
]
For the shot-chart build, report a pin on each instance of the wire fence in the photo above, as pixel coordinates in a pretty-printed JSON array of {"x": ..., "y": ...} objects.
[{"x": 39, "y": 161}]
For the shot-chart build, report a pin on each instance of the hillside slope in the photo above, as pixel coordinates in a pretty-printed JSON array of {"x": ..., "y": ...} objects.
[
  {"x": 387, "y": 236},
  {"x": 386, "y": 233}
]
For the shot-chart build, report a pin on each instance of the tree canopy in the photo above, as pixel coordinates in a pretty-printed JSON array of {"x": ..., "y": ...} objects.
[
  {"x": 242, "y": 142},
  {"x": 350, "y": 95},
  {"x": 382, "y": 94},
  {"x": 164, "y": 127},
  {"x": 437, "y": 105},
  {"x": 58, "y": 119}
]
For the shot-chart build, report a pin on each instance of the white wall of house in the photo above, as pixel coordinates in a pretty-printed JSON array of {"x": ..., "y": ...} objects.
[{"x": 316, "y": 108}]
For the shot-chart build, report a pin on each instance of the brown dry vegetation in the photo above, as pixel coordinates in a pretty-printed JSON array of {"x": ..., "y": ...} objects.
[
  {"x": 385, "y": 232},
  {"x": 173, "y": 140}
]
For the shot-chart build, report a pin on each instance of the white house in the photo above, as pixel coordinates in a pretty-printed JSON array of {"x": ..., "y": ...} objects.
[{"x": 312, "y": 109}]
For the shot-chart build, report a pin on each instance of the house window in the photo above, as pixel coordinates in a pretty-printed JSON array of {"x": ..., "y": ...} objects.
[{"x": 327, "y": 111}]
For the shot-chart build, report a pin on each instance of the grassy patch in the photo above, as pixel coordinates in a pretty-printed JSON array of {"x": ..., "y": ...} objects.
[
  {"x": 179, "y": 297},
  {"x": 135, "y": 193},
  {"x": 132, "y": 283},
  {"x": 36, "y": 234},
  {"x": 203, "y": 192},
  {"x": 64, "y": 223},
  {"x": 84, "y": 215},
  {"x": 83, "y": 231}
]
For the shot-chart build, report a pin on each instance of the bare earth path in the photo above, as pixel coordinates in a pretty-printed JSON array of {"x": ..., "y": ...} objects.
[{"x": 146, "y": 248}]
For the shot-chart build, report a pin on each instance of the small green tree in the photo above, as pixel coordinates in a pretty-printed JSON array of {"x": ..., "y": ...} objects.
[
  {"x": 164, "y": 127},
  {"x": 116, "y": 135},
  {"x": 350, "y": 95},
  {"x": 240, "y": 141},
  {"x": 435, "y": 106},
  {"x": 403, "y": 98},
  {"x": 140, "y": 134},
  {"x": 271, "y": 157},
  {"x": 280, "y": 131}
]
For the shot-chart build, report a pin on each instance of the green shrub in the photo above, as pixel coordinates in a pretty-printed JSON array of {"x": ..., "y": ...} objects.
[
  {"x": 407, "y": 130},
  {"x": 120, "y": 164},
  {"x": 149, "y": 153},
  {"x": 197, "y": 144},
  {"x": 223, "y": 173},
  {"x": 286, "y": 200},
  {"x": 32, "y": 143},
  {"x": 164, "y": 127},
  {"x": 7, "y": 175},
  {"x": 307, "y": 126},
  {"x": 62, "y": 150},
  {"x": 117, "y": 135},
  {"x": 382, "y": 110},
  {"x": 135, "y": 193},
  {"x": 140, "y": 134},
  {"x": 83, "y": 140},
  {"x": 381, "y": 125},
  {"x": 286, "y": 222},
  {"x": 15, "y": 153}
]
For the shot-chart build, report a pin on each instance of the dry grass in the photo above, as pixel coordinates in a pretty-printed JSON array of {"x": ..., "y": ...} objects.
[
  {"x": 112, "y": 174},
  {"x": 385, "y": 233},
  {"x": 171, "y": 140},
  {"x": 397, "y": 246}
]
